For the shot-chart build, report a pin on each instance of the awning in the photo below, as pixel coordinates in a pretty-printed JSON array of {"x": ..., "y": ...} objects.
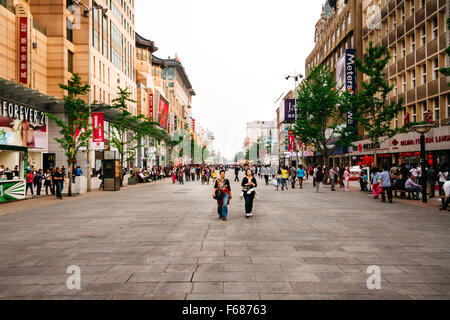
[{"x": 17, "y": 92}]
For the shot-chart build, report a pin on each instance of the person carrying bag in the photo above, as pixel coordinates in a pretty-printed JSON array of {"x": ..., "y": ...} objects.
[{"x": 222, "y": 194}]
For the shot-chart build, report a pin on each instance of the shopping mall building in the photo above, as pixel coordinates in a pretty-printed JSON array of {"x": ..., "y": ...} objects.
[{"x": 42, "y": 44}]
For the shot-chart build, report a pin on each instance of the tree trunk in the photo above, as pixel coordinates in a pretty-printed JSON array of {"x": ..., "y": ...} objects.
[{"x": 69, "y": 175}]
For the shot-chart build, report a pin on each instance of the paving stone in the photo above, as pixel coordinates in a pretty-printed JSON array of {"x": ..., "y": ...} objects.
[
  {"x": 284, "y": 296},
  {"x": 208, "y": 287},
  {"x": 161, "y": 277},
  {"x": 363, "y": 268},
  {"x": 223, "y": 276},
  {"x": 172, "y": 288},
  {"x": 225, "y": 296}
]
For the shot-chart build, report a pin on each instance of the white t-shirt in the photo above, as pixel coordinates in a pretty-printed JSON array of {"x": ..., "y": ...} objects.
[{"x": 443, "y": 176}]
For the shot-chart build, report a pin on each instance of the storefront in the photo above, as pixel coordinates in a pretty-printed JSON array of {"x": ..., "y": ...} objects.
[{"x": 405, "y": 149}]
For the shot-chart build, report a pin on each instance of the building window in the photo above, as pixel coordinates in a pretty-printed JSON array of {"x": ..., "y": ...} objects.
[
  {"x": 94, "y": 27},
  {"x": 394, "y": 22},
  {"x": 436, "y": 109},
  {"x": 349, "y": 18},
  {"x": 105, "y": 35},
  {"x": 402, "y": 15},
  {"x": 424, "y": 111},
  {"x": 413, "y": 42},
  {"x": 435, "y": 69},
  {"x": 422, "y": 3},
  {"x": 395, "y": 53},
  {"x": 403, "y": 49},
  {"x": 395, "y": 89},
  {"x": 423, "y": 36},
  {"x": 411, "y": 8},
  {"x": 448, "y": 105},
  {"x": 69, "y": 29},
  {"x": 352, "y": 42},
  {"x": 413, "y": 79},
  {"x": 404, "y": 83},
  {"x": 70, "y": 61},
  {"x": 424, "y": 73},
  {"x": 414, "y": 113},
  {"x": 434, "y": 26},
  {"x": 171, "y": 73}
]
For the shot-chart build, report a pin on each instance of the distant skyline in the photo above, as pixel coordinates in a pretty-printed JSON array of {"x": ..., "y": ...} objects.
[{"x": 236, "y": 54}]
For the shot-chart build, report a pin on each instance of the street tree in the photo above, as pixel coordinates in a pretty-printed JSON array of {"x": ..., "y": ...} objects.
[
  {"x": 74, "y": 130},
  {"x": 126, "y": 128},
  {"x": 372, "y": 111},
  {"x": 321, "y": 109}
]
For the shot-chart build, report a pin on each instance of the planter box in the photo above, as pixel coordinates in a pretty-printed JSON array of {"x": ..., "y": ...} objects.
[{"x": 132, "y": 181}]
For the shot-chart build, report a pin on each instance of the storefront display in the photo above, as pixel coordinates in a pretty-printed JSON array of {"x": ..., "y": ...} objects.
[{"x": 12, "y": 190}]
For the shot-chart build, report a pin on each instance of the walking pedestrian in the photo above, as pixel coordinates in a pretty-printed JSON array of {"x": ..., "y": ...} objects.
[
  {"x": 431, "y": 181},
  {"x": 48, "y": 182},
  {"x": 38, "y": 181},
  {"x": 222, "y": 193},
  {"x": 300, "y": 176},
  {"x": 318, "y": 177},
  {"x": 442, "y": 176},
  {"x": 59, "y": 181},
  {"x": 293, "y": 176},
  {"x": 284, "y": 175},
  {"x": 386, "y": 184},
  {"x": 333, "y": 175},
  {"x": 347, "y": 179},
  {"x": 374, "y": 180},
  {"x": 29, "y": 180},
  {"x": 248, "y": 188},
  {"x": 236, "y": 173},
  {"x": 266, "y": 172},
  {"x": 278, "y": 177}
]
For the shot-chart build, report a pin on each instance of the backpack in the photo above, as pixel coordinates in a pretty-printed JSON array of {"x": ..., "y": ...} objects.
[{"x": 319, "y": 175}]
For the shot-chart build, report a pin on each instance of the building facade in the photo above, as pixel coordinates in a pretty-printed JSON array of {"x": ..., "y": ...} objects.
[{"x": 415, "y": 31}]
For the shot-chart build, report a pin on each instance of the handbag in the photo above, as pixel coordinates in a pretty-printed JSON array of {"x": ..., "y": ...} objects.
[
  {"x": 218, "y": 194},
  {"x": 274, "y": 182}
]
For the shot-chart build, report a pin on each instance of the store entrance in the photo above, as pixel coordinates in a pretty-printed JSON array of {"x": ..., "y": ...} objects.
[{"x": 49, "y": 160}]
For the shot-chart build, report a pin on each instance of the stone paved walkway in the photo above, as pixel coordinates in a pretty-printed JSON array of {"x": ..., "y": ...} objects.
[{"x": 164, "y": 241}]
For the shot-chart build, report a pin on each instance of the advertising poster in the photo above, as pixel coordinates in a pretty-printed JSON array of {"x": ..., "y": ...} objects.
[
  {"x": 163, "y": 113},
  {"x": 98, "y": 131},
  {"x": 22, "y": 126}
]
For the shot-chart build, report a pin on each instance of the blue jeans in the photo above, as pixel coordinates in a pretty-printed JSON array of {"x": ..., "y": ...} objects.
[
  {"x": 416, "y": 191},
  {"x": 223, "y": 210},
  {"x": 59, "y": 189},
  {"x": 283, "y": 183}
]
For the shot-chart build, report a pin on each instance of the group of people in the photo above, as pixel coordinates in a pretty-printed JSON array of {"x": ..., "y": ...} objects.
[
  {"x": 222, "y": 190},
  {"x": 150, "y": 174},
  {"x": 203, "y": 173},
  {"x": 7, "y": 174},
  {"x": 52, "y": 180}
]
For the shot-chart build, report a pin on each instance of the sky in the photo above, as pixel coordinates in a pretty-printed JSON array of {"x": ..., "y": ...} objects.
[{"x": 236, "y": 53}]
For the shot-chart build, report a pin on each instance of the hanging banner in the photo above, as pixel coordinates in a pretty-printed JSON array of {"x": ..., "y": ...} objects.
[
  {"x": 193, "y": 125},
  {"x": 163, "y": 113},
  {"x": 23, "y": 50},
  {"x": 291, "y": 141},
  {"x": 289, "y": 110},
  {"x": 98, "y": 131},
  {"x": 150, "y": 112}
]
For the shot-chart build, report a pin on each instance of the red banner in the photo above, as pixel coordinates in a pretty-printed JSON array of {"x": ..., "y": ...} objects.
[
  {"x": 23, "y": 50},
  {"x": 150, "y": 102},
  {"x": 193, "y": 125},
  {"x": 291, "y": 143},
  {"x": 163, "y": 113},
  {"x": 98, "y": 133}
]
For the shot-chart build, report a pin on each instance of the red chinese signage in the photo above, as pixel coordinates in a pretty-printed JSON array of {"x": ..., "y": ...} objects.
[
  {"x": 98, "y": 133},
  {"x": 23, "y": 50},
  {"x": 150, "y": 113},
  {"x": 193, "y": 125},
  {"x": 291, "y": 141}
]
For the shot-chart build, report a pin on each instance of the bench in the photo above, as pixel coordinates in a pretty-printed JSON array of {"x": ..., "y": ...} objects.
[{"x": 401, "y": 192}]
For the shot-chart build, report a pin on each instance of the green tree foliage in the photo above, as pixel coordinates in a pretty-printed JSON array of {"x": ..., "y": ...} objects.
[
  {"x": 78, "y": 114},
  {"x": 321, "y": 109},
  {"x": 373, "y": 114}
]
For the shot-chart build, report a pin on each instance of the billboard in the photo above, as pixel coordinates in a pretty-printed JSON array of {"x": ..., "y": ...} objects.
[
  {"x": 23, "y": 50},
  {"x": 163, "y": 113},
  {"x": 22, "y": 126}
]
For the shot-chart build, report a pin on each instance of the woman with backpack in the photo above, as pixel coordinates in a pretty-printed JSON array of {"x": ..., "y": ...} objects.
[
  {"x": 222, "y": 193},
  {"x": 318, "y": 177}
]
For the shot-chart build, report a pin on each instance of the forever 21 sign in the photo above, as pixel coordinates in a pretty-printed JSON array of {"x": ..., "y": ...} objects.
[{"x": 17, "y": 111}]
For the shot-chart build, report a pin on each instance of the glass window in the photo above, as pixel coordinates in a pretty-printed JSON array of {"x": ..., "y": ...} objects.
[
  {"x": 448, "y": 105},
  {"x": 414, "y": 113},
  {"x": 171, "y": 73},
  {"x": 435, "y": 30},
  {"x": 424, "y": 73},
  {"x": 413, "y": 79},
  {"x": 105, "y": 35},
  {"x": 413, "y": 42},
  {"x": 70, "y": 61},
  {"x": 435, "y": 69},
  {"x": 69, "y": 28},
  {"x": 436, "y": 109}
]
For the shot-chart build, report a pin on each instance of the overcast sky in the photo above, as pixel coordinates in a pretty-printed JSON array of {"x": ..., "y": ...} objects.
[{"x": 236, "y": 53}]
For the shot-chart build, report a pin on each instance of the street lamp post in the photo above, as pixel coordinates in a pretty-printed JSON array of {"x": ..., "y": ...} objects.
[{"x": 423, "y": 129}]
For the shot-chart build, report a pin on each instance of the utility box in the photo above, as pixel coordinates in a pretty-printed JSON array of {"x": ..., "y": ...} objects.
[{"x": 111, "y": 171}]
